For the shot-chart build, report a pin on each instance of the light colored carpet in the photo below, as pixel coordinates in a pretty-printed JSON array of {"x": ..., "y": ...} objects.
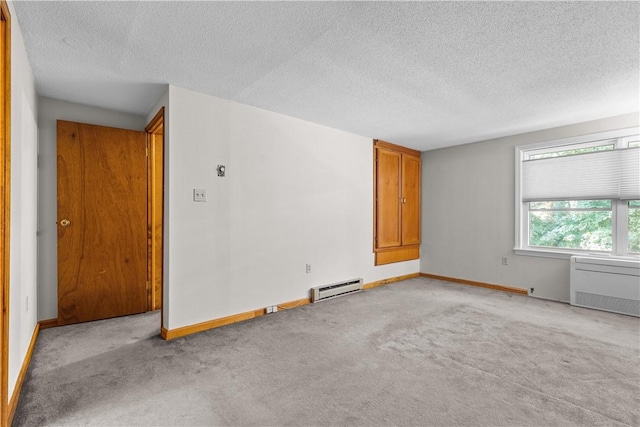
[{"x": 418, "y": 352}]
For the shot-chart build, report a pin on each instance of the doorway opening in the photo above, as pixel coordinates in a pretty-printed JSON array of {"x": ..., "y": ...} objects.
[{"x": 110, "y": 220}]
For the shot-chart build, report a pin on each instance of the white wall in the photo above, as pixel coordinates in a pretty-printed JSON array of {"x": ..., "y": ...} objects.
[
  {"x": 295, "y": 193},
  {"x": 24, "y": 134},
  {"x": 468, "y": 212},
  {"x": 49, "y": 111}
]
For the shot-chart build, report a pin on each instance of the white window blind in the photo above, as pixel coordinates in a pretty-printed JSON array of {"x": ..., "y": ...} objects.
[
  {"x": 630, "y": 174},
  {"x": 583, "y": 176}
]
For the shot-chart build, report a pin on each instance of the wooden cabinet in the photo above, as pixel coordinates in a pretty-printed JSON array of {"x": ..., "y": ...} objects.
[{"x": 396, "y": 203}]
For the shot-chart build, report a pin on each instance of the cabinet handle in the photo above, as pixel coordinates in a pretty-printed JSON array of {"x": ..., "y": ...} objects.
[{"x": 404, "y": 200}]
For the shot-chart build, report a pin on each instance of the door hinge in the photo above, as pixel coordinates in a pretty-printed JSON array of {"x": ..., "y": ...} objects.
[
  {"x": 146, "y": 150},
  {"x": 148, "y": 285}
]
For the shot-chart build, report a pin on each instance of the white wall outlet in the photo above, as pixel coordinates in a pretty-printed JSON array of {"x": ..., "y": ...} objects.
[
  {"x": 308, "y": 268},
  {"x": 199, "y": 195},
  {"x": 271, "y": 309},
  {"x": 505, "y": 260}
]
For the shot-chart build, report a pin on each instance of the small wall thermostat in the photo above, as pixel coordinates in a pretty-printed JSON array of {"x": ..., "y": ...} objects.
[{"x": 220, "y": 170}]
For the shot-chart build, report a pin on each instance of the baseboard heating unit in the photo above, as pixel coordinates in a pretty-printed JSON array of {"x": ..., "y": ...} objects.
[
  {"x": 606, "y": 284},
  {"x": 325, "y": 292}
]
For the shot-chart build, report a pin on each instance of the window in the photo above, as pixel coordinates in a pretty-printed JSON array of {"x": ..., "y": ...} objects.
[
  {"x": 571, "y": 224},
  {"x": 580, "y": 195},
  {"x": 633, "y": 228},
  {"x": 572, "y": 150}
]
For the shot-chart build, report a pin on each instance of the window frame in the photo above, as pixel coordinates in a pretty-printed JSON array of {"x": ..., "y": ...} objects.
[
  {"x": 620, "y": 210},
  {"x": 528, "y": 154},
  {"x": 625, "y": 222}
]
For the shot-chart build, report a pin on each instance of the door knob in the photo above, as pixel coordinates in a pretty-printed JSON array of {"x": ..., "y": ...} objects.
[{"x": 65, "y": 222}]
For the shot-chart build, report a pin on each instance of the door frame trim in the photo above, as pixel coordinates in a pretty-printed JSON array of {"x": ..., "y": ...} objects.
[
  {"x": 156, "y": 240},
  {"x": 5, "y": 211}
]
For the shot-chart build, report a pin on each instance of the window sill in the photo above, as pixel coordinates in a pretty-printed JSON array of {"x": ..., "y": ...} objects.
[{"x": 548, "y": 253}]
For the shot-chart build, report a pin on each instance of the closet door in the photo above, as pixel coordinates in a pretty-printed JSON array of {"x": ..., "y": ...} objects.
[
  {"x": 388, "y": 170},
  {"x": 410, "y": 218}
]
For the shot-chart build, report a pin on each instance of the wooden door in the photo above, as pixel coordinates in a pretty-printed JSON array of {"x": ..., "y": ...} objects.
[
  {"x": 102, "y": 222},
  {"x": 388, "y": 214},
  {"x": 410, "y": 200}
]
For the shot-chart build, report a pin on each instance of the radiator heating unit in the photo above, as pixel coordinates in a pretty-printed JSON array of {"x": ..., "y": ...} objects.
[
  {"x": 606, "y": 284},
  {"x": 325, "y": 292}
]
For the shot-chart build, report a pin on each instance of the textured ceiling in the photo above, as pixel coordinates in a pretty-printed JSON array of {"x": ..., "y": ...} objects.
[{"x": 421, "y": 74}]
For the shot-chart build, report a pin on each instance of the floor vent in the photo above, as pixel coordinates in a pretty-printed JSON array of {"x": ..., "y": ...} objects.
[
  {"x": 325, "y": 292},
  {"x": 607, "y": 303}
]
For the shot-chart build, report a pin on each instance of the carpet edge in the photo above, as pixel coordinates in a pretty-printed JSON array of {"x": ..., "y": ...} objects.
[
  {"x": 15, "y": 396},
  {"x": 502, "y": 288}
]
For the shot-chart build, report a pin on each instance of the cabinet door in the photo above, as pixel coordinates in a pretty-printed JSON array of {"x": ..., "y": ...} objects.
[
  {"x": 388, "y": 164},
  {"x": 410, "y": 218}
]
